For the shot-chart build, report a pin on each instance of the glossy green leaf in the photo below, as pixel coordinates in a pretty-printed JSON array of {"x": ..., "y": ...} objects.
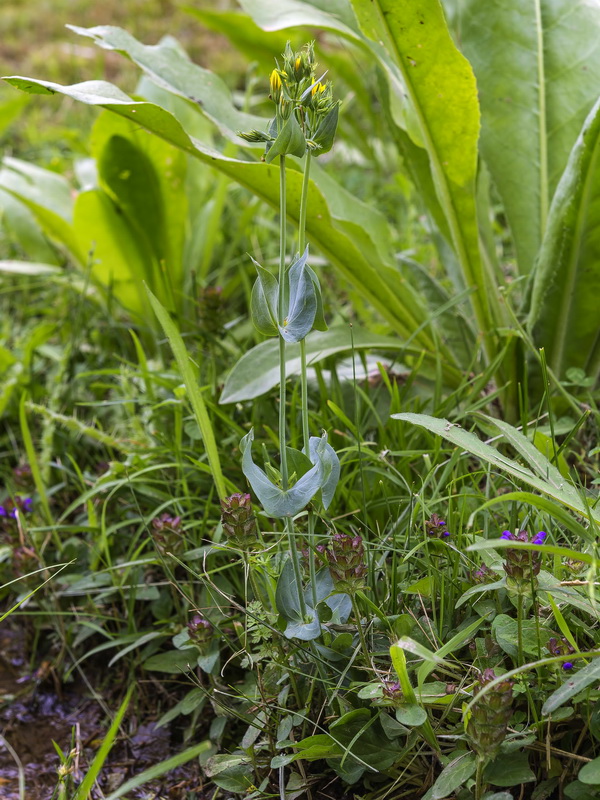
[
  {"x": 565, "y": 492},
  {"x": 536, "y": 65},
  {"x": 257, "y": 371},
  {"x": 169, "y": 66},
  {"x": 564, "y": 304},
  {"x": 443, "y": 119},
  {"x": 574, "y": 684}
]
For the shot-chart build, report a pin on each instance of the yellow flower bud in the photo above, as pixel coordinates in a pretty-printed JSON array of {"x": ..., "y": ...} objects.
[
  {"x": 275, "y": 81},
  {"x": 318, "y": 87}
]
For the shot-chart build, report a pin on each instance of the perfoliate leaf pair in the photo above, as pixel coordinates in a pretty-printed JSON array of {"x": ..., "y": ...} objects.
[
  {"x": 289, "y": 141},
  {"x": 304, "y": 304},
  {"x": 322, "y": 476},
  {"x": 323, "y": 138}
]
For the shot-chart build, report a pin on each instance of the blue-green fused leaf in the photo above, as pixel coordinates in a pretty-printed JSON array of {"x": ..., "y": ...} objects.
[
  {"x": 302, "y": 305},
  {"x": 331, "y": 468},
  {"x": 264, "y": 301},
  {"x": 289, "y": 141},
  {"x": 275, "y": 501},
  {"x": 325, "y": 133},
  {"x": 319, "y": 323}
]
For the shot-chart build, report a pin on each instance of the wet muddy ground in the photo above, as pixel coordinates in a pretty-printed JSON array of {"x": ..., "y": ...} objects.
[{"x": 35, "y": 711}]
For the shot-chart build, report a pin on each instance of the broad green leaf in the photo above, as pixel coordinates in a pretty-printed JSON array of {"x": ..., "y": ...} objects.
[
  {"x": 48, "y": 196},
  {"x": 11, "y": 106},
  {"x": 364, "y": 738},
  {"x": 411, "y": 715},
  {"x": 565, "y": 493},
  {"x": 193, "y": 391},
  {"x": 22, "y": 228},
  {"x": 453, "y": 776},
  {"x": 441, "y": 89},
  {"x": 566, "y": 287},
  {"x": 505, "y": 631},
  {"x": 509, "y": 769},
  {"x": 573, "y": 685},
  {"x": 120, "y": 259},
  {"x": 168, "y": 65},
  {"x": 244, "y": 33},
  {"x": 341, "y": 239},
  {"x": 147, "y": 178},
  {"x": 257, "y": 371},
  {"x": 590, "y": 773},
  {"x": 536, "y": 64}
]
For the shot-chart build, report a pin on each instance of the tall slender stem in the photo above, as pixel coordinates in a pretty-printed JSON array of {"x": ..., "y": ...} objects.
[
  {"x": 281, "y": 315},
  {"x": 281, "y": 306},
  {"x": 301, "y": 246}
]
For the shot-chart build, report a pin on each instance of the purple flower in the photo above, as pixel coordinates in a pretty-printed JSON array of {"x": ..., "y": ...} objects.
[
  {"x": 3, "y": 512},
  {"x": 506, "y": 535},
  {"x": 568, "y": 665},
  {"x": 539, "y": 538}
]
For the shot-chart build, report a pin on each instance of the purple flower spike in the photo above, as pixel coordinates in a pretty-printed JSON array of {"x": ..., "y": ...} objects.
[{"x": 568, "y": 665}]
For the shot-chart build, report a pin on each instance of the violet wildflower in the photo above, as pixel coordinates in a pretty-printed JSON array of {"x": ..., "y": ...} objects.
[
  {"x": 392, "y": 694},
  {"x": 436, "y": 526},
  {"x": 490, "y": 715},
  {"x": 239, "y": 523},
  {"x": 561, "y": 647}
]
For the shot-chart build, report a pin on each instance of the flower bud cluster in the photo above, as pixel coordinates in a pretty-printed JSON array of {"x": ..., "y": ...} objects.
[
  {"x": 167, "y": 533},
  {"x": 490, "y": 715},
  {"x": 345, "y": 558},
  {"x": 303, "y": 99},
  {"x": 237, "y": 518},
  {"x": 521, "y": 566}
]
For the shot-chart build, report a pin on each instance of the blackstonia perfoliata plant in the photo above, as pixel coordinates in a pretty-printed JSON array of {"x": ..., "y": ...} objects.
[{"x": 290, "y": 306}]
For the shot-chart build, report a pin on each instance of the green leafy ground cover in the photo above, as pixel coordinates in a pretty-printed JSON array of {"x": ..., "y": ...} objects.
[{"x": 422, "y": 623}]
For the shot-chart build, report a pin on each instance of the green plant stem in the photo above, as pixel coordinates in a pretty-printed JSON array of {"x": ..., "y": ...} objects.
[
  {"x": 361, "y": 633},
  {"x": 479, "y": 785},
  {"x": 304, "y": 383},
  {"x": 280, "y": 314},
  {"x": 281, "y": 305},
  {"x": 520, "y": 628}
]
